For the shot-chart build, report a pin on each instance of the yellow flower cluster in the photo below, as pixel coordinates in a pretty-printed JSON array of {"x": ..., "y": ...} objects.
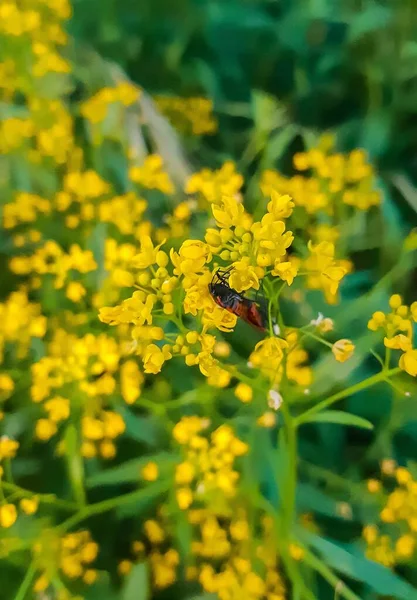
[
  {"x": 39, "y": 23},
  {"x": 20, "y": 321},
  {"x": 69, "y": 556},
  {"x": 398, "y": 328},
  {"x": 188, "y": 115},
  {"x": 231, "y": 563},
  {"x": 206, "y": 473},
  {"x": 81, "y": 373},
  {"x": 211, "y": 185},
  {"x": 151, "y": 175},
  {"x": 268, "y": 356},
  {"x": 96, "y": 108},
  {"x": 50, "y": 259},
  {"x": 394, "y": 540},
  {"x": 25, "y": 208},
  {"x": 333, "y": 178}
]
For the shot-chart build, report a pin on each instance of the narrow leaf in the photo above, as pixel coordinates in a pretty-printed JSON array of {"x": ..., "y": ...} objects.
[
  {"x": 379, "y": 578},
  {"x": 340, "y": 418},
  {"x": 137, "y": 584}
]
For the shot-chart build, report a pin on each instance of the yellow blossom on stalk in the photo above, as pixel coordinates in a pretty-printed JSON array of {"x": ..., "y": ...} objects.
[
  {"x": 286, "y": 270},
  {"x": 343, "y": 350},
  {"x": 75, "y": 291},
  {"x": 154, "y": 357},
  {"x": 20, "y": 320},
  {"x": 8, "y": 447},
  {"x": 8, "y": 515},
  {"x": 334, "y": 178},
  {"x": 324, "y": 271},
  {"x": 397, "y": 326},
  {"x": 151, "y": 175},
  {"x": 243, "y": 392},
  {"x": 268, "y": 356},
  {"x": 244, "y": 276},
  {"x": 6, "y": 383},
  {"x": 191, "y": 258},
  {"x": 131, "y": 380},
  {"x": 70, "y": 556},
  {"x": 95, "y": 109},
  {"x": 85, "y": 184},
  {"x": 207, "y": 469},
  {"x": 150, "y": 471},
  {"x": 189, "y": 115},
  {"x": 394, "y": 539},
  {"x": 50, "y": 259},
  {"x": 25, "y": 208},
  {"x": 213, "y": 185},
  {"x": 29, "y": 505}
]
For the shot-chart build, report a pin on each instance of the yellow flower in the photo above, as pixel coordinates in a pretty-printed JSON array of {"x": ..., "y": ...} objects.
[
  {"x": 184, "y": 498},
  {"x": 75, "y": 291},
  {"x": 6, "y": 383},
  {"x": 343, "y": 350},
  {"x": 147, "y": 255},
  {"x": 154, "y": 531},
  {"x": 90, "y": 576},
  {"x": 192, "y": 257},
  {"x": 154, "y": 358},
  {"x": 184, "y": 473},
  {"x": 150, "y": 471},
  {"x": 131, "y": 380},
  {"x": 8, "y": 447},
  {"x": 286, "y": 270},
  {"x": 377, "y": 321},
  {"x": 267, "y": 420},
  {"x": 373, "y": 485},
  {"x": 58, "y": 408},
  {"x": 296, "y": 551},
  {"x": 29, "y": 505},
  {"x": 408, "y": 362},
  {"x": 405, "y": 546},
  {"x": 243, "y": 276},
  {"x": 323, "y": 324},
  {"x": 398, "y": 342},
  {"x": 281, "y": 207},
  {"x": 45, "y": 429},
  {"x": 244, "y": 392},
  {"x": 325, "y": 272},
  {"x": 8, "y": 515},
  {"x": 229, "y": 213}
]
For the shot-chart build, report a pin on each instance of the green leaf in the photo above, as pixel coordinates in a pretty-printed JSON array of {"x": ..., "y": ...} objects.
[
  {"x": 148, "y": 430},
  {"x": 101, "y": 589},
  {"x": 379, "y": 578},
  {"x": 137, "y": 584},
  {"x": 311, "y": 499},
  {"x": 372, "y": 18},
  {"x": 340, "y": 418}
]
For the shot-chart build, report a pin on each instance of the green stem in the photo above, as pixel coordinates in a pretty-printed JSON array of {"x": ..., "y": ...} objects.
[
  {"x": 43, "y": 498},
  {"x": 358, "y": 387},
  {"x": 317, "y": 338},
  {"x": 25, "y": 585},
  {"x": 291, "y": 480},
  {"x": 109, "y": 504}
]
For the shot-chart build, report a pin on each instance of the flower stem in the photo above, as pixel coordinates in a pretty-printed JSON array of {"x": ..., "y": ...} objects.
[
  {"x": 358, "y": 387},
  {"x": 106, "y": 505},
  {"x": 25, "y": 585},
  {"x": 43, "y": 498}
]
